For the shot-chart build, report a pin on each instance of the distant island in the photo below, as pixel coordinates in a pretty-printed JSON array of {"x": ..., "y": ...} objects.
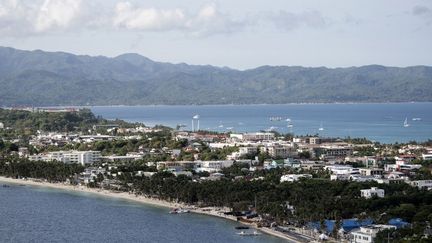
[{"x": 41, "y": 78}]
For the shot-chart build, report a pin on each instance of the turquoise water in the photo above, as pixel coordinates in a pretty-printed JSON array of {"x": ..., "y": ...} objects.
[
  {"x": 34, "y": 214},
  {"x": 378, "y": 122}
]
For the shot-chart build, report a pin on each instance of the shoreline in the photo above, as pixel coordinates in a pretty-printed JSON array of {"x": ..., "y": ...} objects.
[
  {"x": 229, "y": 104},
  {"x": 208, "y": 211}
]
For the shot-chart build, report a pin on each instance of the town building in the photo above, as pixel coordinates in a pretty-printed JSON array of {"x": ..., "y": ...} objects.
[
  {"x": 294, "y": 177},
  {"x": 372, "y": 192},
  {"x": 422, "y": 184}
]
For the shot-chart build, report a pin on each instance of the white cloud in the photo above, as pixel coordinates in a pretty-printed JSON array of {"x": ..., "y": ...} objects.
[
  {"x": 57, "y": 14},
  {"x": 129, "y": 17},
  {"x": 207, "y": 21},
  {"x": 27, "y": 17},
  {"x": 38, "y": 17}
]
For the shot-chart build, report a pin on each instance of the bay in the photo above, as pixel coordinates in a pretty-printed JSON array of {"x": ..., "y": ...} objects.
[
  {"x": 36, "y": 214},
  {"x": 377, "y": 122}
]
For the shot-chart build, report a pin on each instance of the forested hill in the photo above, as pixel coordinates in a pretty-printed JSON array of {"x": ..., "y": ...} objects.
[{"x": 54, "y": 78}]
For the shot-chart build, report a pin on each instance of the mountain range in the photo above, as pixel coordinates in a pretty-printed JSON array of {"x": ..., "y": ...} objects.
[{"x": 42, "y": 78}]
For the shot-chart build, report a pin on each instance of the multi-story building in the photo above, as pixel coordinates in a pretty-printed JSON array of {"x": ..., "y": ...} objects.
[
  {"x": 278, "y": 151},
  {"x": 367, "y": 234},
  {"x": 70, "y": 157}
]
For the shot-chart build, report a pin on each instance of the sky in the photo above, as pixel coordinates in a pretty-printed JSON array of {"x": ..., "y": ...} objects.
[{"x": 240, "y": 34}]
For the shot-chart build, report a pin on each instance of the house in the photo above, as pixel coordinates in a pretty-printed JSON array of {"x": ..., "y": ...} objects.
[
  {"x": 367, "y": 234},
  {"x": 373, "y": 192}
]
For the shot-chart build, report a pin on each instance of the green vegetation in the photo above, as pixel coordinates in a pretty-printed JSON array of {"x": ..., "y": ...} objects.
[
  {"x": 30, "y": 78},
  {"x": 50, "y": 171},
  {"x": 26, "y": 122}
]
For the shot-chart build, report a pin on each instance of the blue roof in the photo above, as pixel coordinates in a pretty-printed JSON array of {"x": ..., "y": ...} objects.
[
  {"x": 398, "y": 222},
  {"x": 347, "y": 224}
]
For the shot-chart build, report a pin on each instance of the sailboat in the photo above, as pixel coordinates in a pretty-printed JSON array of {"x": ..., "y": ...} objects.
[
  {"x": 290, "y": 125},
  {"x": 406, "y": 123},
  {"x": 321, "y": 128}
]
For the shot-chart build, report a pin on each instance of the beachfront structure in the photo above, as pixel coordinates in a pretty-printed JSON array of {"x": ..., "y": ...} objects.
[
  {"x": 294, "y": 177},
  {"x": 367, "y": 234},
  {"x": 69, "y": 157},
  {"x": 373, "y": 192}
]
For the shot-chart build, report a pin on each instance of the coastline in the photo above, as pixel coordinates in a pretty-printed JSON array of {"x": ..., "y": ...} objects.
[{"x": 209, "y": 211}]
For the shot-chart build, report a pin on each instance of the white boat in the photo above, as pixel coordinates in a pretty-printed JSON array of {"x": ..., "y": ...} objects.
[
  {"x": 416, "y": 119},
  {"x": 244, "y": 233},
  {"x": 178, "y": 211},
  {"x": 406, "y": 123},
  {"x": 275, "y": 118},
  {"x": 321, "y": 128}
]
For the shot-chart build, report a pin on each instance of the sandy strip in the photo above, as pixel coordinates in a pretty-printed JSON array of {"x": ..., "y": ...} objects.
[{"x": 210, "y": 211}]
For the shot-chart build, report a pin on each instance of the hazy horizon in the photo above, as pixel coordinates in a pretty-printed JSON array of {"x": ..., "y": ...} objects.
[{"x": 240, "y": 35}]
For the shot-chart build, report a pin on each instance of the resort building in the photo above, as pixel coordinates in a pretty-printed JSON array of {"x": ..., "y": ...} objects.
[
  {"x": 373, "y": 192},
  {"x": 367, "y": 234},
  {"x": 69, "y": 157}
]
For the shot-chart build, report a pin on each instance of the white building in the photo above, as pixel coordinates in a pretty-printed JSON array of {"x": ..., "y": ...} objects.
[
  {"x": 424, "y": 156},
  {"x": 342, "y": 169},
  {"x": 367, "y": 234},
  {"x": 70, "y": 157},
  {"x": 294, "y": 177},
  {"x": 427, "y": 184},
  {"x": 255, "y": 136},
  {"x": 1, "y": 125},
  {"x": 374, "y": 191}
]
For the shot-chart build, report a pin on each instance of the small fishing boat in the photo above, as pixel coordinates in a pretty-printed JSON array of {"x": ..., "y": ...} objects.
[
  {"x": 242, "y": 227},
  {"x": 178, "y": 211}
]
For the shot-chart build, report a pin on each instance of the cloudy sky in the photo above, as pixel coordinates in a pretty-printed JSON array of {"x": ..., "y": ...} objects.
[{"x": 240, "y": 34}]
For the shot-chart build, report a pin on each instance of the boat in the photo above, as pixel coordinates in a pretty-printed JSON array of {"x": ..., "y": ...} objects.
[
  {"x": 178, "y": 211},
  {"x": 416, "y": 119},
  {"x": 242, "y": 227},
  {"x": 275, "y": 118},
  {"x": 272, "y": 128},
  {"x": 406, "y": 124},
  {"x": 321, "y": 128},
  {"x": 4, "y": 185},
  {"x": 244, "y": 233}
]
